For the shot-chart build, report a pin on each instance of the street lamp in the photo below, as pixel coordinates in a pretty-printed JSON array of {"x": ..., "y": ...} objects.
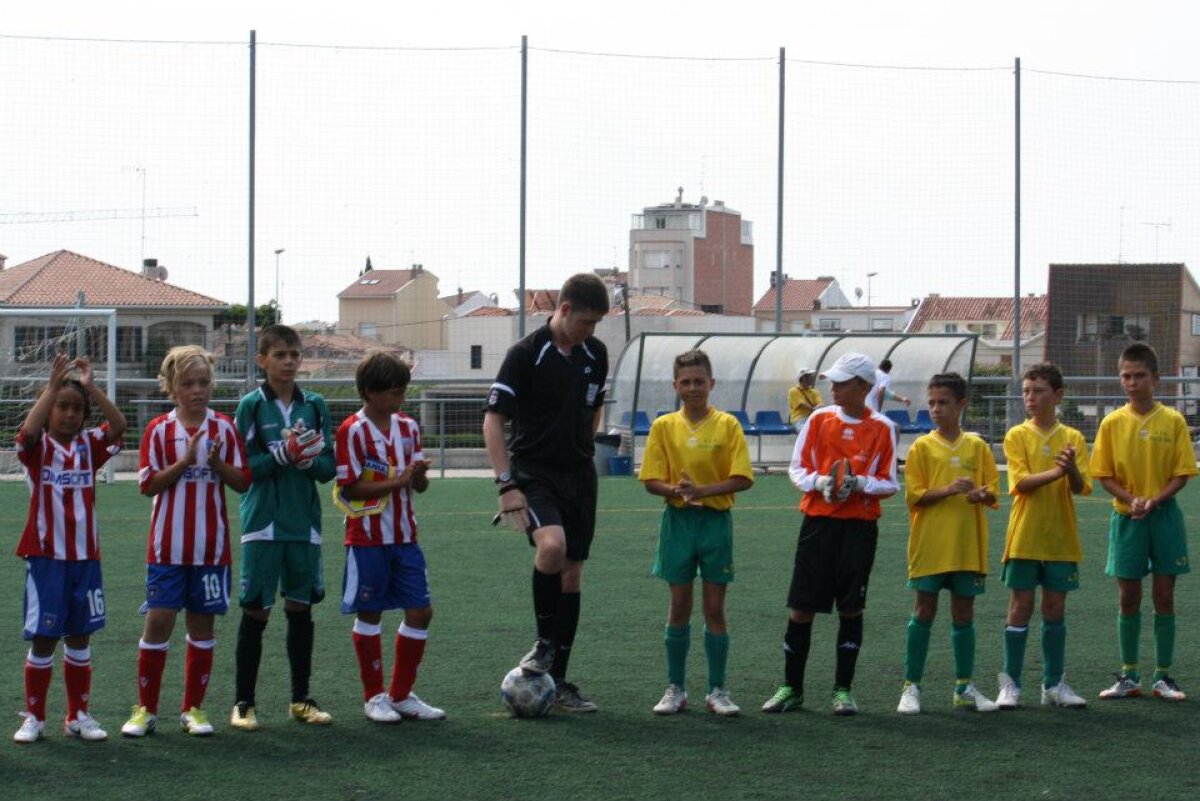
[
  {"x": 277, "y": 252},
  {"x": 869, "y": 277}
]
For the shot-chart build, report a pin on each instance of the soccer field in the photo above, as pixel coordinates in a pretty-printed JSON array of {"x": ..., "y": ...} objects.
[{"x": 483, "y": 624}]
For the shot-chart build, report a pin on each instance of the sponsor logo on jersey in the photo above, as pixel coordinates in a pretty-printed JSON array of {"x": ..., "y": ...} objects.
[
  {"x": 847, "y": 433},
  {"x": 377, "y": 466},
  {"x": 493, "y": 398},
  {"x": 66, "y": 478},
  {"x": 591, "y": 393},
  {"x": 194, "y": 473}
]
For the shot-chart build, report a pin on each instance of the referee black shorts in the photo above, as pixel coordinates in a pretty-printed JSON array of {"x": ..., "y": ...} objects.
[
  {"x": 833, "y": 564},
  {"x": 558, "y": 496}
]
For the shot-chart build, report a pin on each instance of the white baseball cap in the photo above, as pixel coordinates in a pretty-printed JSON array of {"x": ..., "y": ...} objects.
[
  {"x": 805, "y": 371},
  {"x": 851, "y": 365}
]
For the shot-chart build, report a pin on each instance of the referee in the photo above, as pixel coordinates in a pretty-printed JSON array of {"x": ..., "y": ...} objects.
[{"x": 551, "y": 386}]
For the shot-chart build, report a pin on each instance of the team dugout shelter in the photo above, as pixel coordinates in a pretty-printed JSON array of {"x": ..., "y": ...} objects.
[{"x": 754, "y": 371}]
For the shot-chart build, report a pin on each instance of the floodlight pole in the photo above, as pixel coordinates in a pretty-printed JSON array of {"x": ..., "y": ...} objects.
[
  {"x": 251, "y": 317},
  {"x": 779, "y": 201},
  {"x": 1016, "y": 357},
  {"x": 521, "y": 265}
]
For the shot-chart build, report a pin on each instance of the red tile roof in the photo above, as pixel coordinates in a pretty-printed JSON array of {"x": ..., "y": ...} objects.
[
  {"x": 799, "y": 294},
  {"x": 937, "y": 308},
  {"x": 545, "y": 300},
  {"x": 57, "y": 278},
  {"x": 491, "y": 311},
  {"x": 378, "y": 284}
]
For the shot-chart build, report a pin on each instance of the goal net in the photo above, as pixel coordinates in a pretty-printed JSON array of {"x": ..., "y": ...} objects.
[{"x": 29, "y": 340}]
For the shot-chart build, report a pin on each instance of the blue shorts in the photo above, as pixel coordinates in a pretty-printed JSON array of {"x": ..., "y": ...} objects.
[
  {"x": 203, "y": 589},
  {"x": 62, "y": 599},
  {"x": 380, "y": 577}
]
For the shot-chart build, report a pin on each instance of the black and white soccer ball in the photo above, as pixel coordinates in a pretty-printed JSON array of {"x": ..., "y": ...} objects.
[{"x": 527, "y": 696}]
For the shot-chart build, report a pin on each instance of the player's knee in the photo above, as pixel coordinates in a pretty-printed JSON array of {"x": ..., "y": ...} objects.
[{"x": 418, "y": 618}]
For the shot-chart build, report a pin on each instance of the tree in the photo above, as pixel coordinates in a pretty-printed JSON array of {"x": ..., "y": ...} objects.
[{"x": 236, "y": 315}]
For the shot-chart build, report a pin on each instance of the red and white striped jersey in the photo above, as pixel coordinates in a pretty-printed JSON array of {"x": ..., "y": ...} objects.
[
  {"x": 62, "y": 490},
  {"x": 363, "y": 447},
  {"x": 189, "y": 524}
]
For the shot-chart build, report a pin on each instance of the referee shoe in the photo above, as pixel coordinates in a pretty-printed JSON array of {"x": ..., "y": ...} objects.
[{"x": 540, "y": 658}]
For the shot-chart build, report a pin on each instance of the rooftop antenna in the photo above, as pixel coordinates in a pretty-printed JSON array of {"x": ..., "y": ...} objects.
[{"x": 1158, "y": 226}]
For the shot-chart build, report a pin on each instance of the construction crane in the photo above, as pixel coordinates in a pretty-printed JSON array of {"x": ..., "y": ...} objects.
[{"x": 35, "y": 217}]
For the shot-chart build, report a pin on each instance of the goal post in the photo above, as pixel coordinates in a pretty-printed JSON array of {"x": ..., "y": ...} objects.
[{"x": 29, "y": 339}]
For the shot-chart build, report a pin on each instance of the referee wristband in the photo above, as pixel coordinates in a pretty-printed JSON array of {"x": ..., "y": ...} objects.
[{"x": 508, "y": 488}]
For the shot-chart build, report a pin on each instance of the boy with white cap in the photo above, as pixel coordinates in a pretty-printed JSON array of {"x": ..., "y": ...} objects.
[{"x": 836, "y": 547}]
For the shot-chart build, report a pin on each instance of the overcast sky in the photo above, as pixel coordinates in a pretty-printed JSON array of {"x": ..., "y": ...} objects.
[{"x": 1123, "y": 197}]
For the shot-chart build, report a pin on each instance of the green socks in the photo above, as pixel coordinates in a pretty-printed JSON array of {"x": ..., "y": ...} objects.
[
  {"x": 1014, "y": 651},
  {"x": 1054, "y": 651},
  {"x": 716, "y": 649},
  {"x": 1164, "y": 644},
  {"x": 1129, "y": 631},
  {"x": 962, "y": 638},
  {"x": 677, "y": 639},
  {"x": 916, "y": 649}
]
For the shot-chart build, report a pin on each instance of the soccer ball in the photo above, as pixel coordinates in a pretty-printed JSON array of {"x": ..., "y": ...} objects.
[{"x": 527, "y": 696}]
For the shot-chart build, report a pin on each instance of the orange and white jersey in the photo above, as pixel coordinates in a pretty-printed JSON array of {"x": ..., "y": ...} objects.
[{"x": 830, "y": 434}]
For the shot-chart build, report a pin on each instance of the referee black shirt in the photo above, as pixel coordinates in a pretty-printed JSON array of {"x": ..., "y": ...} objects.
[{"x": 551, "y": 399}]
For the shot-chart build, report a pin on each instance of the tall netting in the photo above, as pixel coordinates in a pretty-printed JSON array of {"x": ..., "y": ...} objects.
[
  {"x": 406, "y": 156},
  {"x": 123, "y": 151},
  {"x": 899, "y": 181},
  {"x": 1111, "y": 199},
  {"x": 611, "y": 135}
]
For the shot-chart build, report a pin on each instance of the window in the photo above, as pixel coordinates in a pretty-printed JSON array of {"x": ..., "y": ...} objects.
[
  {"x": 712, "y": 308},
  {"x": 881, "y": 323},
  {"x": 985, "y": 330},
  {"x": 1196, "y": 325},
  {"x": 1115, "y": 326},
  {"x": 830, "y": 324},
  {"x": 368, "y": 282},
  {"x": 36, "y": 343},
  {"x": 477, "y": 357},
  {"x": 950, "y": 328},
  {"x": 660, "y": 222},
  {"x": 369, "y": 331},
  {"x": 129, "y": 343}
]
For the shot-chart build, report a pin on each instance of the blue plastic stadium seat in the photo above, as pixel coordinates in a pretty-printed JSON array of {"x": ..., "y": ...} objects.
[
  {"x": 747, "y": 426},
  {"x": 661, "y": 412},
  {"x": 924, "y": 421},
  {"x": 904, "y": 423},
  {"x": 640, "y": 424},
  {"x": 771, "y": 422}
]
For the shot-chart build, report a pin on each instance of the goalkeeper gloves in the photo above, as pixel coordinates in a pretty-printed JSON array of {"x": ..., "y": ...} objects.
[{"x": 299, "y": 449}]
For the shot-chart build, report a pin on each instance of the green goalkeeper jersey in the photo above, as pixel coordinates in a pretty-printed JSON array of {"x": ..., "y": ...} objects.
[{"x": 283, "y": 503}]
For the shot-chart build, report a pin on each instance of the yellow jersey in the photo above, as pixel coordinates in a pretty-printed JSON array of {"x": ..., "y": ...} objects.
[
  {"x": 1042, "y": 523},
  {"x": 951, "y": 534},
  {"x": 802, "y": 402},
  {"x": 1142, "y": 452},
  {"x": 710, "y": 451}
]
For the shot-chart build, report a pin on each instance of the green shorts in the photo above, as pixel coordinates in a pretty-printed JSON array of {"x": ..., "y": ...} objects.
[
  {"x": 1155, "y": 544},
  {"x": 293, "y": 567},
  {"x": 959, "y": 582},
  {"x": 694, "y": 537},
  {"x": 1028, "y": 574}
]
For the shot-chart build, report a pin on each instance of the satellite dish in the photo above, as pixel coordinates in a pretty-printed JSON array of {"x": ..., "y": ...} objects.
[
  {"x": 858, "y": 293},
  {"x": 160, "y": 274}
]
